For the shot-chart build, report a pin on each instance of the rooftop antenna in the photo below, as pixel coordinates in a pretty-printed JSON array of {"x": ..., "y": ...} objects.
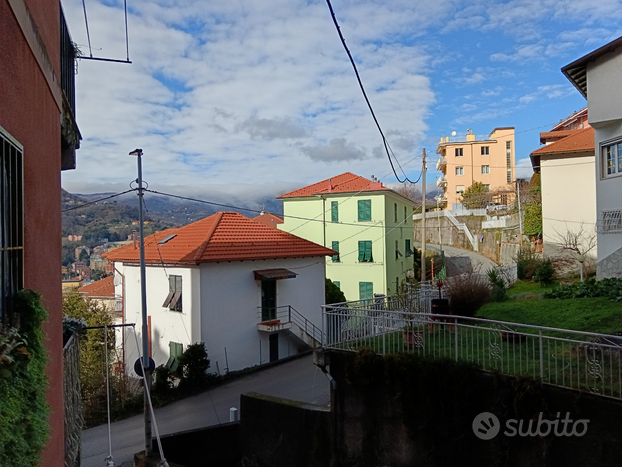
[{"x": 88, "y": 36}]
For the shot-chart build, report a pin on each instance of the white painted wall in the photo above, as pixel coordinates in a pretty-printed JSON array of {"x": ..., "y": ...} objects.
[
  {"x": 231, "y": 298},
  {"x": 568, "y": 197},
  {"x": 605, "y": 115},
  {"x": 220, "y": 308}
]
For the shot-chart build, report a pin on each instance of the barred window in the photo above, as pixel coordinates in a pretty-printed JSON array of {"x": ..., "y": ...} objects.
[
  {"x": 610, "y": 221},
  {"x": 12, "y": 228}
]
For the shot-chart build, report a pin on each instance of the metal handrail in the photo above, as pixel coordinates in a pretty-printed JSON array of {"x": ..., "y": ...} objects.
[{"x": 291, "y": 315}]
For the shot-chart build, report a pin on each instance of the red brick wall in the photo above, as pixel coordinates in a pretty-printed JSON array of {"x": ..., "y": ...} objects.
[{"x": 29, "y": 113}]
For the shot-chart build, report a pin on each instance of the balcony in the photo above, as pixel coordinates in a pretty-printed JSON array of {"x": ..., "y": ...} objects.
[
  {"x": 441, "y": 181},
  {"x": 441, "y": 164}
]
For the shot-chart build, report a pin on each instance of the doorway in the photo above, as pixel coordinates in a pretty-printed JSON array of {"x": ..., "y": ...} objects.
[
  {"x": 268, "y": 300},
  {"x": 274, "y": 347}
]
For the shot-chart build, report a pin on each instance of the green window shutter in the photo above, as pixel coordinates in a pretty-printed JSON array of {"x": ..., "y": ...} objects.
[
  {"x": 368, "y": 256},
  {"x": 361, "y": 250},
  {"x": 336, "y": 248},
  {"x": 408, "y": 250},
  {"x": 366, "y": 290},
  {"x": 334, "y": 211},
  {"x": 337, "y": 283},
  {"x": 364, "y": 210}
]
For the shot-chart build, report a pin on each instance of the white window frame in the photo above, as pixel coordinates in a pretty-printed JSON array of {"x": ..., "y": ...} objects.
[
  {"x": 459, "y": 189},
  {"x": 459, "y": 152},
  {"x": 459, "y": 171},
  {"x": 615, "y": 146},
  {"x": 485, "y": 150},
  {"x": 485, "y": 170}
]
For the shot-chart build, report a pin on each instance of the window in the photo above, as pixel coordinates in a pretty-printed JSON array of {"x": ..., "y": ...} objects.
[
  {"x": 485, "y": 150},
  {"x": 409, "y": 252},
  {"x": 508, "y": 160},
  {"x": 612, "y": 159},
  {"x": 338, "y": 284},
  {"x": 395, "y": 212},
  {"x": 175, "y": 350},
  {"x": 610, "y": 222},
  {"x": 485, "y": 169},
  {"x": 486, "y": 187},
  {"x": 459, "y": 170},
  {"x": 398, "y": 253},
  {"x": 173, "y": 299},
  {"x": 336, "y": 248},
  {"x": 364, "y": 206},
  {"x": 459, "y": 152},
  {"x": 459, "y": 189},
  {"x": 366, "y": 290},
  {"x": 365, "y": 251},
  {"x": 334, "y": 211},
  {"x": 12, "y": 225},
  {"x": 405, "y": 213}
]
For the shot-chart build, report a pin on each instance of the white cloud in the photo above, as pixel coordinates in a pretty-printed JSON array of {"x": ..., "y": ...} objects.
[{"x": 337, "y": 149}]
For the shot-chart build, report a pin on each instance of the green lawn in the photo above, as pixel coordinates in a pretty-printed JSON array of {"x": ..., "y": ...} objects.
[{"x": 580, "y": 314}]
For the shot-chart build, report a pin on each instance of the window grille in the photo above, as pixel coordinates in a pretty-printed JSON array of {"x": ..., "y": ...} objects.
[
  {"x": 12, "y": 226},
  {"x": 610, "y": 222}
]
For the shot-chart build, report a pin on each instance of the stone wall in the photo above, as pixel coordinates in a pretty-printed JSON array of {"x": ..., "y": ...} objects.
[{"x": 611, "y": 266}]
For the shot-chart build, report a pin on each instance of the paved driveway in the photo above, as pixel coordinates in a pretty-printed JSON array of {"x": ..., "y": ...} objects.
[{"x": 298, "y": 379}]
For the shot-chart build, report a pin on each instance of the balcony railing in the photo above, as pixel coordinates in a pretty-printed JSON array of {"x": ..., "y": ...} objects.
[
  {"x": 276, "y": 316},
  {"x": 581, "y": 361},
  {"x": 441, "y": 181},
  {"x": 441, "y": 163},
  {"x": 67, "y": 64}
]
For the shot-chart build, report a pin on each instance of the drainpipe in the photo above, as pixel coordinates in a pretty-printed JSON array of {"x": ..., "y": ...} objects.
[{"x": 122, "y": 312}]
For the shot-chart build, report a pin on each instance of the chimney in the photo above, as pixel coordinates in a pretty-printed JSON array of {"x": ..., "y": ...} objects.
[
  {"x": 134, "y": 238},
  {"x": 470, "y": 136}
]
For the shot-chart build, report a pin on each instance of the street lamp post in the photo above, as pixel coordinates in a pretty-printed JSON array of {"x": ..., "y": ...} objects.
[
  {"x": 143, "y": 298},
  {"x": 438, "y": 219},
  {"x": 581, "y": 259}
]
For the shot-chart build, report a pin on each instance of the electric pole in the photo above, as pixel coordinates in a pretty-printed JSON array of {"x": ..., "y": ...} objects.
[{"x": 423, "y": 275}]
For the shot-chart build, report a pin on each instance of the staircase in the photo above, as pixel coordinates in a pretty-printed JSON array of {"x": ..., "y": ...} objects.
[{"x": 286, "y": 318}]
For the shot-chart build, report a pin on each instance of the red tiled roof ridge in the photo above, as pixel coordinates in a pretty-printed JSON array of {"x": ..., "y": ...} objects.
[
  {"x": 336, "y": 184},
  {"x": 578, "y": 141},
  {"x": 208, "y": 235},
  {"x": 101, "y": 288}
]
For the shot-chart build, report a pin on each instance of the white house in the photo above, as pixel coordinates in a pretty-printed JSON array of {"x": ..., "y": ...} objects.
[
  {"x": 597, "y": 77},
  {"x": 252, "y": 293}
]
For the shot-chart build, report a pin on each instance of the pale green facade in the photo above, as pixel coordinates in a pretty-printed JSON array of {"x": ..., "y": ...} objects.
[{"x": 389, "y": 229}]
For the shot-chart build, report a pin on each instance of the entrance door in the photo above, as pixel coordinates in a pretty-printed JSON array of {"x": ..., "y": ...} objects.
[
  {"x": 274, "y": 347},
  {"x": 268, "y": 300}
]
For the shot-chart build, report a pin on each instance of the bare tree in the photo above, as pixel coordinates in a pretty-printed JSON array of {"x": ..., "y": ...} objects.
[
  {"x": 409, "y": 190},
  {"x": 579, "y": 241}
]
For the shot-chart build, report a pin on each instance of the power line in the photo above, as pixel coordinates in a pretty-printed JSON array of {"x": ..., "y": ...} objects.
[{"x": 358, "y": 78}]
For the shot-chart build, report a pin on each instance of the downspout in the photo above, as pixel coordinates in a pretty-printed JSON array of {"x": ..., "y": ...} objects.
[{"x": 122, "y": 312}]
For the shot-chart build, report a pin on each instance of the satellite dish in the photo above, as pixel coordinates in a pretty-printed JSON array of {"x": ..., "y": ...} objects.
[
  {"x": 453, "y": 133},
  {"x": 117, "y": 279}
]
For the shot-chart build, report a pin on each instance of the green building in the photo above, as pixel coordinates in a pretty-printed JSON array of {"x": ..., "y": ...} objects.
[{"x": 369, "y": 225}]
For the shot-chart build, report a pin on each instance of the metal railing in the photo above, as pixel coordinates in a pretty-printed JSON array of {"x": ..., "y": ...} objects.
[
  {"x": 73, "y": 401},
  {"x": 582, "y": 361},
  {"x": 288, "y": 314}
]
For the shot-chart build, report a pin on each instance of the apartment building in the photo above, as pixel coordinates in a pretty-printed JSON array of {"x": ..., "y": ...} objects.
[{"x": 463, "y": 161}]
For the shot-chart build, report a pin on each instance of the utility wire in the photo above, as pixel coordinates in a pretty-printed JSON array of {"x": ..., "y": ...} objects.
[
  {"x": 384, "y": 139},
  {"x": 96, "y": 201}
]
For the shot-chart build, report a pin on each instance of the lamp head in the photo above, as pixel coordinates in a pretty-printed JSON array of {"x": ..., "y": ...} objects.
[{"x": 136, "y": 152}]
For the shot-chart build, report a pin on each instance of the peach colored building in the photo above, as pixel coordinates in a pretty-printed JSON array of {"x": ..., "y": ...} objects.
[{"x": 489, "y": 161}]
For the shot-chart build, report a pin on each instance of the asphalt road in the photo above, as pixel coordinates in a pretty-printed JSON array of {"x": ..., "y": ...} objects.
[
  {"x": 459, "y": 260},
  {"x": 298, "y": 379}
]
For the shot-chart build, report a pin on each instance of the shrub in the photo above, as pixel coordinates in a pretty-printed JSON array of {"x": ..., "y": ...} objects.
[
  {"x": 163, "y": 381},
  {"x": 467, "y": 293},
  {"x": 526, "y": 264},
  {"x": 333, "y": 293},
  {"x": 498, "y": 284},
  {"x": 195, "y": 363},
  {"x": 611, "y": 288},
  {"x": 545, "y": 273}
]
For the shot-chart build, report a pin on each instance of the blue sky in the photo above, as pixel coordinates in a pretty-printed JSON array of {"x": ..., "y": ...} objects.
[{"x": 248, "y": 99}]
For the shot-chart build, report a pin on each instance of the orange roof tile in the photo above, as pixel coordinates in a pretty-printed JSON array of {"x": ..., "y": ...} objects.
[
  {"x": 578, "y": 141},
  {"x": 550, "y": 136},
  {"x": 224, "y": 236},
  {"x": 269, "y": 219},
  {"x": 344, "y": 183},
  {"x": 101, "y": 288}
]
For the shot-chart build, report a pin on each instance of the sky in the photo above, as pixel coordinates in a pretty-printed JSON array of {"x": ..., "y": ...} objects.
[{"x": 243, "y": 100}]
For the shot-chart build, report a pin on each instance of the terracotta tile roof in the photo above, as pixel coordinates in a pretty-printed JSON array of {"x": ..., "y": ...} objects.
[
  {"x": 344, "y": 183},
  {"x": 224, "y": 236},
  {"x": 101, "y": 288},
  {"x": 578, "y": 141},
  {"x": 269, "y": 219},
  {"x": 550, "y": 136}
]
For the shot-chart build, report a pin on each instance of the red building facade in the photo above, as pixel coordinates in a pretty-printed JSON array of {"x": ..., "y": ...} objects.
[{"x": 39, "y": 137}]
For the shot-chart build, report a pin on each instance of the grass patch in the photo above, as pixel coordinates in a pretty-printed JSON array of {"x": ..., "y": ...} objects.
[
  {"x": 527, "y": 287},
  {"x": 580, "y": 314}
]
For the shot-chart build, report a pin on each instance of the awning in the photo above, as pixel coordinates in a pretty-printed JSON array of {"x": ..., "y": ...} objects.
[{"x": 274, "y": 274}]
